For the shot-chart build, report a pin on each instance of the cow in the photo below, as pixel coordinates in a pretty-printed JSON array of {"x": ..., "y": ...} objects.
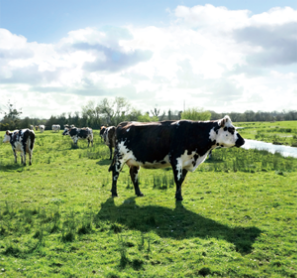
[
  {"x": 31, "y": 127},
  {"x": 21, "y": 141},
  {"x": 79, "y": 133},
  {"x": 109, "y": 138},
  {"x": 102, "y": 129},
  {"x": 36, "y": 127},
  {"x": 56, "y": 128},
  {"x": 41, "y": 128},
  {"x": 181, "y": 144}
]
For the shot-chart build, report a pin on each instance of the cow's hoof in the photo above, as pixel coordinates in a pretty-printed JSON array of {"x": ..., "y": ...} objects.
[
  {"x": 30, "y": 163},
  {"x": 179, "y": 198},
  {"x": 140, "y": 194},
  {"x": 25, "y": 164}
]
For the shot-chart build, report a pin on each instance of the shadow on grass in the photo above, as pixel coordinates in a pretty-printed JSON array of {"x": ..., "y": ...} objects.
[
  {"x": 179, "y": 223},
  {"x": 13, "y": 167},
  {"x": 104, "y": 162}
]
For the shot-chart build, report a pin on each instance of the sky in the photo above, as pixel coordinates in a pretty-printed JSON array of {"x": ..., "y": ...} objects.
[{"x": 226, "y": 56}]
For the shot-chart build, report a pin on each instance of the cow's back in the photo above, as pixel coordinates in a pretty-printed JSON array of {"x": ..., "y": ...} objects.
[{"x": 149, "y": 142}]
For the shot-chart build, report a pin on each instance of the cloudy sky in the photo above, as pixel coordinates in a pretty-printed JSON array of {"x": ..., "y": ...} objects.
[{"x": 225, "y": 56}]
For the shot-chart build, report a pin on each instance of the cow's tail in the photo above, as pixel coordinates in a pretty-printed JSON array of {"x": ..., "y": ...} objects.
[{"x": 32, "y": 139}]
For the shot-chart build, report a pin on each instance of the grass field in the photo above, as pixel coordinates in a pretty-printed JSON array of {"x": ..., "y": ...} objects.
[
  {"x": 283, "y": 132},
  {"x": 57, "y": 217}
]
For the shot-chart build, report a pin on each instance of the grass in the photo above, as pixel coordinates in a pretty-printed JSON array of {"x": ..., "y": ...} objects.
[
  {"x": 281, "y": 133},
  {"x": 57, "y": 219}
]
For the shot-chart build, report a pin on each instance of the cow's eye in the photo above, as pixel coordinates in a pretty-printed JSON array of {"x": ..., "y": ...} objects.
[{"x": 231, "y": 129}]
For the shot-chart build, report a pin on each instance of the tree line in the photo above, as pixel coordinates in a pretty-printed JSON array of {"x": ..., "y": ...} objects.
[{"x": 112, "y": 112}]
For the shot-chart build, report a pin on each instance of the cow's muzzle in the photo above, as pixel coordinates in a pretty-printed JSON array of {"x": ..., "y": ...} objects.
[{"x": 239, "y": 142}]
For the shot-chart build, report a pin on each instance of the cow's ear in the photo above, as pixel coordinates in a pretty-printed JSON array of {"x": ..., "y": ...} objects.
[
  {"x": 8, "y": 132},
  {"x": 222, "y": 122}
]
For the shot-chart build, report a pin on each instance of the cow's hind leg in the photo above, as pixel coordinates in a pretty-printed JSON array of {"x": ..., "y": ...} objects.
[
  {"x": 116, "y": 166},
  {"x": 134, "y": 177},
  {"x": 179, "y": 176},
  {"x": 88, "y": 142}
]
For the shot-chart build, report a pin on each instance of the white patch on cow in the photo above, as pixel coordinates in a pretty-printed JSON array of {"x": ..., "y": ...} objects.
[
  {"x": 186, "y": 161},
  {"x": 128, "y": 129}
]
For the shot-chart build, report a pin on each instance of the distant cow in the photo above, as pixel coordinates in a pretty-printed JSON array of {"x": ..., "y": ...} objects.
[
  {"x": 183, "y": 145},
  {"x": 41, "y": 128},
  {"x": 21, "y": 141},
  {"x": 31, "y": 127},
  {"x": 56, "y": 128},
  {"x": 102, "y": 129},
  {"x": 36, "y": 127},
  {"x": 109, "y": 138},
  {"x": 79, "y": 133}
]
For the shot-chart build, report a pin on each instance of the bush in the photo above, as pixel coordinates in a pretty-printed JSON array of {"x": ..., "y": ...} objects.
[{"x": 196, "y": 114}]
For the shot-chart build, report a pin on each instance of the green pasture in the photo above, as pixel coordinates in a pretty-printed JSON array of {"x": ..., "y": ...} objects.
[
  {"x": 282, "y": 132},
  {"x": 57, "y": 217}
]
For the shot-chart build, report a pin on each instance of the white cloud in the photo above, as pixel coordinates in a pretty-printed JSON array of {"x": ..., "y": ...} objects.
[{"x": 211, "y": 57}]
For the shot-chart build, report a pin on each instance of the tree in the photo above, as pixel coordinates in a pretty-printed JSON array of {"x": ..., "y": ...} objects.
[
  {"x": 196, "y": 114},
  {"x": 11, "y": 119},
  {"x": 146, "y": 118}
]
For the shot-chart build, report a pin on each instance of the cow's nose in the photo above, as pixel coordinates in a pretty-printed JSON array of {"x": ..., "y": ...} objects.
[{"x": 239, "y": 142}]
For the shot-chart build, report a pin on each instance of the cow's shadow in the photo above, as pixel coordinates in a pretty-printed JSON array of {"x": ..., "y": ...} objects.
[
  {"x": 15, "y": 166},
  {"x": 178, "y": 223}
]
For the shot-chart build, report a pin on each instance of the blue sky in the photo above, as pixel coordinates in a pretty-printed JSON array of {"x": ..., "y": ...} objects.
[
  {"x": 218, "y": 55},
  {"x": 48, "y": 21}
]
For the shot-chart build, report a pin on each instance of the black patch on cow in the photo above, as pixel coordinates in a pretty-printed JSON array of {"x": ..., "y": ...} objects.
[
  {"x": 163, "y": 162},
  {"x": 218, "y": 144},
  {"x": 214, "y": 142},
  {"x": 231, "y": 130},
  {"x": 222, "y": 146},
  {"x": 225, "y": 128}
]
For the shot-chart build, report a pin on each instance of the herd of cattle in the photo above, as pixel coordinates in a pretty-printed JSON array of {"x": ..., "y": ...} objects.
[{"x": 181, "y": 144}]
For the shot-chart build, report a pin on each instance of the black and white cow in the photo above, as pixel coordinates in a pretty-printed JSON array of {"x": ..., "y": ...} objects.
[
  {"x": 183, "y": 145},
  {"x": 79, "y": 133},
  {"x": 102, "y": 129},
  {"x": 41, "y": 128},
  {"x": 21, "y": 141},
  {"x": 109, "y": 138},
  {"x": 56, "y": 128}
]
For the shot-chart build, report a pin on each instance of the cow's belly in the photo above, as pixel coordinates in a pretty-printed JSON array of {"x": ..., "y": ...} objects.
[
  {"x": 189, "y": 163},
  {"x": 132, "y": 161}
]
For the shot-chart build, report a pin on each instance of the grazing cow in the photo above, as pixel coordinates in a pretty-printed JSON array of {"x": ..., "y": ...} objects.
[
  {"x": 31, "y": 127},
  {"x": 183, "y": 145},
  {"x": 41, "y": 128},
  {"x": 21, "y": 141},
  {"x": 56, "y": 128},
  {"x": 109, "y": 138},
  {"x": 79, "y": 133},
  {"x": 102, "y": 129},
  {"x": 36, "y": 127}
]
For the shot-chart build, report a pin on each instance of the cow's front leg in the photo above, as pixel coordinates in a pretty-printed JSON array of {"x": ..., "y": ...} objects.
[
  {"x": 134, "y": 177},
  {"x": 15, "y": 156},
  {"x": 88, "y": 142},
  {"x": 179, "y": 176}
]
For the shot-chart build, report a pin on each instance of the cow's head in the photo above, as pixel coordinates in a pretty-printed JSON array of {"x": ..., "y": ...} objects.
[
  {"x": 225, "y": 134},
  {"x": 66, "y": 131},
  {"x": 7, "y": 136}
]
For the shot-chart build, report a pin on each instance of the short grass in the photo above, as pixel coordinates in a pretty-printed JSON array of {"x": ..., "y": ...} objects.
[
  {"x": 57, "y": 217},
  {"x": 282, "y": 133}
]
